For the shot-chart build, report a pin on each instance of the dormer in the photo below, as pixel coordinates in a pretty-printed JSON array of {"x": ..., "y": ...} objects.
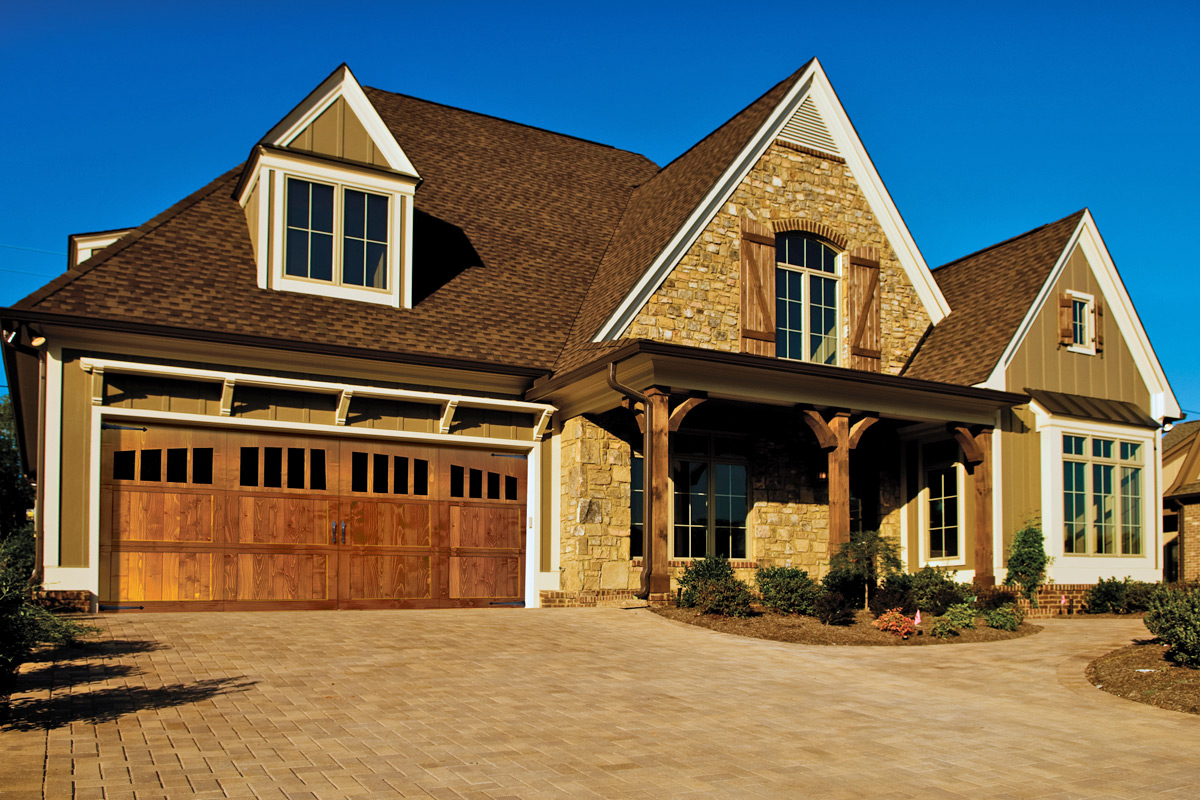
[
  {"x": 82, "y": 246},
  {"x": 328, "y": 197}
]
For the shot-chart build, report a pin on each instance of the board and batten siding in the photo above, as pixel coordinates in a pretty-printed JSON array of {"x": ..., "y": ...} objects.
[
  {"x": 1020, "y": 474},
  {"x": 338, "y": 132},
  {"x": 1040, "y": 363}
]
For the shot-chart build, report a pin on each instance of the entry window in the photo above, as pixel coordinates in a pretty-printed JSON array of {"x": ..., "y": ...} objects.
[
  {"x": 1102, "y": 496},
  {"x": 942, "y": 485},
  {"x": 710, "y": 477},
  {"x": 806, "y": 299}
]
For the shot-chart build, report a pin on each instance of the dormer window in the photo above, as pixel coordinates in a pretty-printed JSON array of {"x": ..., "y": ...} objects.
[{"x": 355, "y": 256}]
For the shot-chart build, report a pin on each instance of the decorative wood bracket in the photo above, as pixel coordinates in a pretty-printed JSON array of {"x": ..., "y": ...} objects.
[
  {"x": 681, "y": 411},
  {"x": 639, "y": 413},
  {"x": 826, "y": 437},
  {"x": 543, "y": 423},
  {"x": 966, "y": 438},
  {"x": 447, "y": 416},
  {"x": 858, "y": 429},
  {"x": 227, "y": 397},
  {"x": 343, "y": 407},
  {"x": 98, "y": 386}
]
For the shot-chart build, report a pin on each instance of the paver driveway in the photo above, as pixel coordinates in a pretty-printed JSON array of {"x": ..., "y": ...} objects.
[{"x": 580, "y": 703}]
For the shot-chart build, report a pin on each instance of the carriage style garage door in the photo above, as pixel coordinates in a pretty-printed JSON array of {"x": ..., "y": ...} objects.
[{"x": 207, "y": 519}]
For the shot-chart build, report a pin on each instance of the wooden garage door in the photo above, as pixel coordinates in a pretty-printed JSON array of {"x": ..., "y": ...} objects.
[{"x": 202, "y": 519}]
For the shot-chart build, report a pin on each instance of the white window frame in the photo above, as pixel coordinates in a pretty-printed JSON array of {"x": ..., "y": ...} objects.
[
  {"x": 1085, "y": 568},
  {"x": 273, "y": 171},
  {"x": 923, "y": 469},
  {"x": 1089, "y": 337},
  {"x": 836, "y": 276}
]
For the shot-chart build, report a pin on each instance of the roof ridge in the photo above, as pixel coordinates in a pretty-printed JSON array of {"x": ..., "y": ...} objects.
[
  {"x": 507, "y": 121},
  {"x": 1008, "y": 241},
  {"x": 127, "y": 240}
]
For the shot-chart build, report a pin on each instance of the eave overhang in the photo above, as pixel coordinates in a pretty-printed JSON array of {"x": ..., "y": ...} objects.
[{"x": 771, "y": 381}]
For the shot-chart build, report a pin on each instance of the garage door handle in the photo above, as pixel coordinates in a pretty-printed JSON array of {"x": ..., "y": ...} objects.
[
  {"x": 333, "y": 525},
  {"x": 343, "y": 531}
]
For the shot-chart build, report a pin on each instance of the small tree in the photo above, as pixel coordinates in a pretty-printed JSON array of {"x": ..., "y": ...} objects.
[
  {"x": 869, "y": 555},
  {"x": 16, "y": 493},
  {"x": 1027, "y": 560}
]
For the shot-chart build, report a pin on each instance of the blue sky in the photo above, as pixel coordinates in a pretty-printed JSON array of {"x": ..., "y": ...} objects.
[{"x": 983, "y": 120}]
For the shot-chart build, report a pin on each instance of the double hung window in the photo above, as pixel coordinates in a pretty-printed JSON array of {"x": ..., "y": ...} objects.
[
  {"x": 942, "y": 485},
  {"x": 806, "y": 299},
  {"x": 1102, "y": 496},
  {"x": 336, "y": 234}
]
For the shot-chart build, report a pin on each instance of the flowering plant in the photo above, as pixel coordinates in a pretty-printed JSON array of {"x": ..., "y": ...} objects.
[{"x": 895, "y": 622}]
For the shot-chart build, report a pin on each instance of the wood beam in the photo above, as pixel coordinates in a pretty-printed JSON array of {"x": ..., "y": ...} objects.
[
  {"x": 839, "y": 481},
  {"x": 658, "y": 464},
  {"x": 681, "y": 411},
  {"x": 981, "y": 473}
]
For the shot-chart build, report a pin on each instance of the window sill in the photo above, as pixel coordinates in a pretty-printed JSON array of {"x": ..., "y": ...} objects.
[{"x": 1081, "y": 350}]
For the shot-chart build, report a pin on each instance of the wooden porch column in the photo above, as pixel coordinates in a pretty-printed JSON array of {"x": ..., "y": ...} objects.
[
  {"x": 658, "y": 464},
  {"x": 837, "y": 437},
  {"x": 977, "y": 452}
]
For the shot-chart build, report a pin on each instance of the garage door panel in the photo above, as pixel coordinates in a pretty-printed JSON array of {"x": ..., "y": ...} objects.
[
  {"x": 485, "y": 526},
  {"x": 388, "y": 577},
  {"x": 156, "y": 516},
  {"x": 280, "y": 577},
  {"x": 266, "y": 519},
  {"x": 485, "y": 577},
  {"x": 155, "y": 576},
  {"x": 387, "y": 524}
]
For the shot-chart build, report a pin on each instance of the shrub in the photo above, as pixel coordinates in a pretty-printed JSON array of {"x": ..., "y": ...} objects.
[
  {"x": 894, "y": 621},
  {"x": 868, "y": 555},
  {"x": 788, "y": 590},
  {"x": 961, "y": 615},
  {"x": 887, "y": 597},
  {"x": 943, "y": 628},
  {"x": 706, "y": 570},
  {"x": 989, "y": 598},
  {"x": 844, "y": 582},
  {"x": 934, "y": 590},
  {"x": 1027, "y": 560},
  {"x": 1137, "y": 596},
  {"x": 1174, "y": 616},
  {"x": 726, "y": 597},
  {"x": 1113, "y": 596},
  {"x": 832, "y": 608},
  {"x": 1004, "y": 618}
]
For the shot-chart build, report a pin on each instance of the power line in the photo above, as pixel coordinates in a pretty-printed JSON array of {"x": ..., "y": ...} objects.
[
  {"x": 27, "y": 272},
  {"x": 32, "y": 250}
]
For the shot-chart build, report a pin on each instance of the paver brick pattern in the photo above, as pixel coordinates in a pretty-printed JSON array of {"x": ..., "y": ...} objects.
[{"x": 585, "y": 703}]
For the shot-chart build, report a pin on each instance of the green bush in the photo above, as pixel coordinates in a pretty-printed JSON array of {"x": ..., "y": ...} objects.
[
  {"x": 1174, "y": 616},
  {"x": 1004, "y": 618},
  {"x": 890, "y": 596},
  {"x": 961, "y": 615},
  {"x": 934, "y": 590},
  {"x": 727, "y": 597},
  {"x": 788, "y": 590},
  {"x": 1027, "y": 560},
  {"x": 832, "y": 608},
  {"x": 989, "y": 598},
  {"x": 943, "y": 628},
  {"x": 1137, "y": 596},
  {"x": 706, "y": 570},
  {"x": 868, "y": 555},
  {"x": 844, "y": 582},
  {"x": 1113, "y": 596}
]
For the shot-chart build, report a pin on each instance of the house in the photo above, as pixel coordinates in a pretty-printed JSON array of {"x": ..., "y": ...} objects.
[
  {"x": 407, "y": 355},
  {"x": 1181, "y": 502}
]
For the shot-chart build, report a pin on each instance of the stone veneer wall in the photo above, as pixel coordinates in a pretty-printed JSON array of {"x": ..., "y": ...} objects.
[
  {"x": 699, "y": 302},
  {"x": 788, "y": 524}
]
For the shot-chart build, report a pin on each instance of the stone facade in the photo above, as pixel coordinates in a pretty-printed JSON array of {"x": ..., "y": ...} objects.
[
  {"x": 699, "y": 302},
  {"x": 1189, "y": 540}
]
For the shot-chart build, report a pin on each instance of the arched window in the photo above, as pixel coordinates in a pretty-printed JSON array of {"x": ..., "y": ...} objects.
[{"x": 806, "y": 299}]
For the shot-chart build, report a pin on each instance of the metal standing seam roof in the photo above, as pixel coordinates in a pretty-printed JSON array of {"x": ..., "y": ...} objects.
[{"x": 1074, "y": 405}]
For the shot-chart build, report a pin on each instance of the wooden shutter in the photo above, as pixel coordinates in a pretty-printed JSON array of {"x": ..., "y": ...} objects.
[
  {"x": 1066, "y": 331},
  {"x": 862, "y": 286},
  {"x": 1099, "y": 326},
  {"x": 758, "y": 289}
]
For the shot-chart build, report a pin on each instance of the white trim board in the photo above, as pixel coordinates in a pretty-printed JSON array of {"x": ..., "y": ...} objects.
[
  {"x": 815, "y": 85},
  {"x": 1119, "y": 309}
]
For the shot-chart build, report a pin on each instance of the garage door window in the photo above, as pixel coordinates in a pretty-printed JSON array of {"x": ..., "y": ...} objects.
[
  {"x": 146, "y": 466},
  {"x": 268, "y": 468},
  {"x": 378, "y": 473}
]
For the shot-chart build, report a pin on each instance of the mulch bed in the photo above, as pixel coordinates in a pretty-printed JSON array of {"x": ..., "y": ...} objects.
[
  {"x": 807, "y": 630},
  {"x": 1141, "y": 672}
]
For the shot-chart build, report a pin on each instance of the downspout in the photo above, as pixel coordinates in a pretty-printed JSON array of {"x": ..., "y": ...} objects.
[
  {"x": 647, "y": 494},
  {"x": 39, "y": 500}
]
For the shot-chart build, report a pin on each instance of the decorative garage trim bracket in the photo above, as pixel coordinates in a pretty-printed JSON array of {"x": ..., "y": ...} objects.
[{"x": 230, "y": 380}]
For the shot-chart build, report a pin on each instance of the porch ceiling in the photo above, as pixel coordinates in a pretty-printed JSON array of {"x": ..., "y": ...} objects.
[{"x": 771, "y": 381}]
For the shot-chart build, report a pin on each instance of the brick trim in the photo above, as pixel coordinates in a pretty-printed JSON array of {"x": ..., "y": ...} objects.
[
  {"x": 810, "y": 151},
  {"x": 808, "y": 226}
]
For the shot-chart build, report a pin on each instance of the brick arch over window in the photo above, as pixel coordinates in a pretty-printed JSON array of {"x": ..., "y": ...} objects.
[{"x": 808, "y": 226}]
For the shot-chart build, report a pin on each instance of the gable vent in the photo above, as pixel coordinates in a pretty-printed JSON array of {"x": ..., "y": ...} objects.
[{"x": 807, "y": 129}]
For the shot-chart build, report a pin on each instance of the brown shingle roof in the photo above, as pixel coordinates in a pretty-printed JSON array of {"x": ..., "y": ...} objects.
[
  {"x": 989, "y": 293},
  {"x": 511, "y": 221},
  {"x": 1179, "y": 432},
  {"x": 657, "y": 210}
]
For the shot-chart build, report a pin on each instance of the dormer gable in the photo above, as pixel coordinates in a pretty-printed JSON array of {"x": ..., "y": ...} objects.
[{"x": 328, "y": 196}]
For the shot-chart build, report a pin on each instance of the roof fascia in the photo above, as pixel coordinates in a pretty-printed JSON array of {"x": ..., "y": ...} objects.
[
  {"x": 341, "y": 83},
  {"x": 1120, "y": 309},
  {"x": 813, "y": 82}
]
